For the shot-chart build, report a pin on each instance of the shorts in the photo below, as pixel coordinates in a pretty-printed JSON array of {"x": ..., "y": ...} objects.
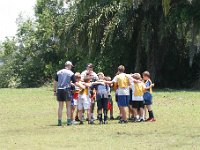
[
  {"x": 64, "y": 95},
  {"x": 147, "y": 98},
  {"x": 102, "y": 103},
  {"x": 123, "y": 100},
  {"x": 138, "y": 104},
  {"x": 84, "y": 102},
  {"x": 131, "y": 102},
  {"x": 110, "y": 99}
]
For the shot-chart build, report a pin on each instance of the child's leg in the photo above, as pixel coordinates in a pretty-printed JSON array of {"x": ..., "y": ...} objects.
[
  {"x": 120, "y": 113},
  {"x": 123, "y": 111},
  {"x": 76, "y": 113},
  {"x": 135, "y": 109},
  {"x": 105, "y": 108},
  {"x": 68, "y": 107},
  {"x": 92, "y": 109},
  {"x": 145, "y": 112},
  {"x": 151, "y": 115},
  {"x": 72, "y": 112},
  {"x": 135, "y": 112},
  {"x": 80, "y": 112},
  {"x": 99, "y": 110},
  {"x": 88, "y": 114},
  {"x": 131, "y": 111},
  {"x": 141, "y": 113},
  {"x": 80, "y": 109},
  {"x": 141, "y": 106},
  {"x": 111, "y": 110}
]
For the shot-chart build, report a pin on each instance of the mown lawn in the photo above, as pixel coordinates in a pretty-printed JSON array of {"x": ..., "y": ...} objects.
[{"x": 28, "y": 119}]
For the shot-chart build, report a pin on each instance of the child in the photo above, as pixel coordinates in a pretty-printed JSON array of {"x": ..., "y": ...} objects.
[
  {"x": 123, "y": 83},
  {"x": 138, "y": 90},
  {"x": 110, "y": 101},
  {"x": 102, "y": 99},
  {"x": 75, "y": 93},
  {"x": 131, "y": 114},
  {"x": 148, "y": 96},
  {"x": 84, "y": 102}
]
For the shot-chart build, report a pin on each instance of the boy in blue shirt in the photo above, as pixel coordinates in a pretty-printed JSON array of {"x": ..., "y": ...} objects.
[
  {"x": 102, "y": 95},
  {"x": 148, "y": 96}
]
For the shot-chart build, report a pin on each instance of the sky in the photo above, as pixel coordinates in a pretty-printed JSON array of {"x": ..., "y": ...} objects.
[{"x": 9, "y": 12}]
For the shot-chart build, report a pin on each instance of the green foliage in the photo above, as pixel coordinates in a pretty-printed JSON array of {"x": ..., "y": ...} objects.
[{"x": 159, "y": 36}]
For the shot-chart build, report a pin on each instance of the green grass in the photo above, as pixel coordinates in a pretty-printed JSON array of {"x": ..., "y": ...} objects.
[{"x": 28, "y": 119}]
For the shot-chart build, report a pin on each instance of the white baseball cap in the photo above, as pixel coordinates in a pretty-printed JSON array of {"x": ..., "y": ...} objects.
[{"x": 69, "y": 63}]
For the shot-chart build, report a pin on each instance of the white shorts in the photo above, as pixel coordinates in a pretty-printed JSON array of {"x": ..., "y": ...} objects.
[{"x": 83, "y": 102}]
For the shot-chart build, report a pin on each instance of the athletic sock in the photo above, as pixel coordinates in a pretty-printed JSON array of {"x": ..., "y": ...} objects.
[
  {"x": 105, "y": 118},
  {"x": 69, "y": 121},
  {"x": 151, "y": 115},
  {"x": 100, "y": 117},
  {"x": 105, "y": 115},
  {"x": 59, "y": 122}
]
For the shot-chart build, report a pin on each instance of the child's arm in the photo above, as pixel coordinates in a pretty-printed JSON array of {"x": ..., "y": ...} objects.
[
  {"x": 147, "y": 88},
  {"x": 131, "y": 80},
  {"x": 93, "y": 83},
  {"x": 80, "y": 85}
]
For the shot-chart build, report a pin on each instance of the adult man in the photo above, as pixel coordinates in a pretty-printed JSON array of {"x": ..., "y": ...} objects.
[
  {"x": 89, "y": 71},
  {"x": 62, "y": 85}
]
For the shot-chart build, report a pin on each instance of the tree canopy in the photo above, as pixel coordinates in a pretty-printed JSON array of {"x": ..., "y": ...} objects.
[{"x": 162, "y": 37}]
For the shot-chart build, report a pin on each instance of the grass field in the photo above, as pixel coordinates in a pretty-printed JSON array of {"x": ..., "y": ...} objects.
[{"x": 28, "y": 119}]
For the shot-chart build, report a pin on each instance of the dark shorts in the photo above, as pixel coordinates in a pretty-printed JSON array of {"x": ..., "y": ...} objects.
[
  {"x": 123, "y": 100},
  {"x": 102, "y": 103},
  {"x": 64, "y": 95},
  {"x": 138, "y": 104},
  {"x": 131, "y": 102}
]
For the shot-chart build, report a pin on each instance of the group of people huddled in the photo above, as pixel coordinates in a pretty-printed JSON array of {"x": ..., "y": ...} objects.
[{"x": 80, "y": 91}]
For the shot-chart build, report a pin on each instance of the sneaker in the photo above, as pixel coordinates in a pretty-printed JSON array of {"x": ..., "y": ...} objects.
[
  {"x": 120, "y": 121},
  {"x": 137, "y": 120},
  {"x": 148, "y": 119},
  {"x": 141, "y": 120},
  {"x": 81, "y": 122},
  {"x": 123, "y": 121},
  {"x": 152, "y": 120},
  {"x": 92, "y": 118},
  {"x": 74, "y": 122},
  {"x": 91, "y": 122},
  {"x": 134, "y": 120}
]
